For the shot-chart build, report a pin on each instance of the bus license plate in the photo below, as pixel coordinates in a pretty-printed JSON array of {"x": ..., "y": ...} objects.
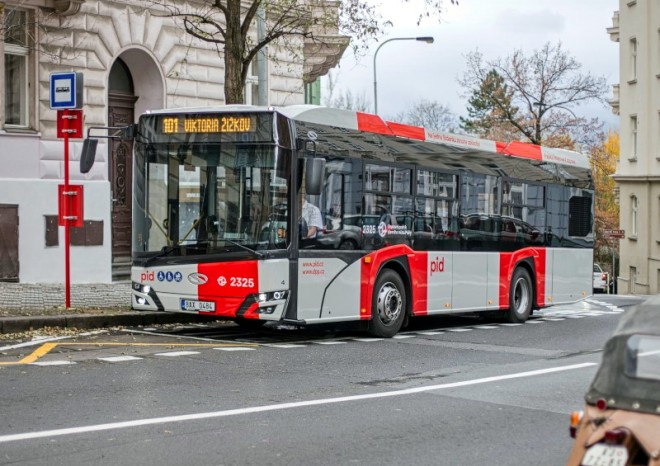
[
  {"x": 605, "y": 455},
  {"x": 194, "y": 305}
]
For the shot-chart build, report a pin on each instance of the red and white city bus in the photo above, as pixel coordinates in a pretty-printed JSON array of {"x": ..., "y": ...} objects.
[{"x": 414, "y": 222}]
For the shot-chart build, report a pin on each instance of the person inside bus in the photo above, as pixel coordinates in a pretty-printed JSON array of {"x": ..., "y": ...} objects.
[{"x": 312, "y": 217}]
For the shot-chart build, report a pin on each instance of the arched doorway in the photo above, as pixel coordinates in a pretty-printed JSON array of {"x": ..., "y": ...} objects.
[{"x": 121, "y": 112}]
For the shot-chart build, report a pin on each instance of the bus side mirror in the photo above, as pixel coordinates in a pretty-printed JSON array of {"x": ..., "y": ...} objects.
[
  {"x": 88, "y": 154},
  {"x": 314, "y": 174}
]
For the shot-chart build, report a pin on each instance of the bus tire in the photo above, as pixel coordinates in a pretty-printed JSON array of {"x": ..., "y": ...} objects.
[
  {"x": 388, "y": 309},
  {"x": 521, "y": 295}
]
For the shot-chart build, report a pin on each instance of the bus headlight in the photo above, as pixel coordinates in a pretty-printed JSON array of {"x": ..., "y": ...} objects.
[
  {"x": 271, "y": 296},
  {"x": 140, "y": 288}
]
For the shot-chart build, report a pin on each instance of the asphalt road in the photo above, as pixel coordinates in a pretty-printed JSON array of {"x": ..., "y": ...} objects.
[{"x": 447, "y": 391}]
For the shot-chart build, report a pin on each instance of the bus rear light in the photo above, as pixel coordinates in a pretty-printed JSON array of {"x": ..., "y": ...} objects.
[
  {"x": 616, "y": 436},
  {"x": 576, "y": 417}
]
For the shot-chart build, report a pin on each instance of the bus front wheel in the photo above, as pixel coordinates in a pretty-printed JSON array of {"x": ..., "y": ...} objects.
[
  {"x": 520, "y": 296},
  {"x": 389, "y": 305}
]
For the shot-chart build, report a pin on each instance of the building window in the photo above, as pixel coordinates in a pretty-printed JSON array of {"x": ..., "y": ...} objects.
[
  {"x": 16, "y": 63},
  {"x": 633, "y": 216},
  {"x": 633, "y": 137},
  {"x": 633, "y": 59}
]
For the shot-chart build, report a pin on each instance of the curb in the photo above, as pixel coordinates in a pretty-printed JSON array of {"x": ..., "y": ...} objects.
[{"x": 90, "y": 321}]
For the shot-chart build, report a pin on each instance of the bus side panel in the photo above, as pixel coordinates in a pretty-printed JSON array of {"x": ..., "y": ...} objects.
[
  {"x": 470, "y": 289},
  {"x": 274, "y": 275},
  {"x": 342, "y": 298},
  {"x": 572, "y": 274},
  {"x": 440, "y": 270},
  {"x": 328, "y": 290},
  {"x": 493, "y": 287}
]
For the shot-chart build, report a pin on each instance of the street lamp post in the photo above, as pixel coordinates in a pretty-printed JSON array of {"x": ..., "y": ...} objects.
[{"x": 427, "y": 39}]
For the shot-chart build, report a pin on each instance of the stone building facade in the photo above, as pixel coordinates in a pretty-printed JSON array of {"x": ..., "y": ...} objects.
[
  {"x": 636, "y": 99},
  {"x": 134, "y": 58}
]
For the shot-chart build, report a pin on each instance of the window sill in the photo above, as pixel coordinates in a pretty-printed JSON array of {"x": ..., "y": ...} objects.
[
  {"x": 10, "y": 131},
  {"x": 632, "y": 81},
  {"x": 634, "y": 159},
  {"x": 632, "y": 238},
  {"x": 631, "y": 3}
]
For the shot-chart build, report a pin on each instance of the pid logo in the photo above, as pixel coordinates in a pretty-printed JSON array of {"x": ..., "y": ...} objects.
[
  {"x": 147, "y": 276},
  {"x": 437, "y": 265}
]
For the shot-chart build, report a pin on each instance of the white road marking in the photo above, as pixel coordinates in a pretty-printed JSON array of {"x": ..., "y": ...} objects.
[
  {"x": 402, "y": 337},
  {"x": 173, "y": 354},
  {"x": 235, "y": 348},
  {"x": 282, "y": 406},
  {"x": 52, "y": 363},
  {"x": 119, "y": 358},
  {"x": 430, "y": 333},
  {"x": 368, "y": 340},
  {"x": 330, "y": 342},
  {"x": 553, "y": 319},
  {"x": 511, "y": 325},
  {"x": 486, "y": 327},
  {"x": 283, "y": 345},
  {"x": 540, "y": 321},
  {"x": 459, "y": 330},
  {"x": 36, "y": 342}
]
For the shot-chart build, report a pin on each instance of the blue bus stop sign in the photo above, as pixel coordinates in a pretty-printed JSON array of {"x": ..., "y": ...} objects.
[{"x": 66, "y": 90}]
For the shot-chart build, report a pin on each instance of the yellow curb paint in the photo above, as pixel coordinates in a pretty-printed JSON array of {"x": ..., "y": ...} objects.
[{"x": 38, "y": 353}]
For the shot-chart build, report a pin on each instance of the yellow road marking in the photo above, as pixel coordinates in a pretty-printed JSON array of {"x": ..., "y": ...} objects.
[{"x": 48, "y": 347}]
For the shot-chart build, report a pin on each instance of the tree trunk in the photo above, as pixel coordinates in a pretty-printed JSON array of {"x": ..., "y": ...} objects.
[{"x": 234, "y": 49}]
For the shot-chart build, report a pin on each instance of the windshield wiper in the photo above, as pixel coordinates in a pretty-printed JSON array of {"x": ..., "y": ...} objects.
[
  {"x": 260, "y": 255},
  {"x": 166, "y": 251},
  {"x": 230, "y": 241}
]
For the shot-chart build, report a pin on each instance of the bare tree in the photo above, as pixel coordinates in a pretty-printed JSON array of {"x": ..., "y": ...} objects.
[
  {"x": 228, "y": 24},
  {"x": 534, "y": 96},
  {"x": 430, "y": 115}
]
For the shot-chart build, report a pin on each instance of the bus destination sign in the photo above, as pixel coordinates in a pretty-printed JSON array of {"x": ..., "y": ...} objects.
[{"x": 209, "y": 124}]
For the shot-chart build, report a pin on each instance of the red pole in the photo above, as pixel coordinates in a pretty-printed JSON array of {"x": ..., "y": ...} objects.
[{"x": 67, "y": 282}]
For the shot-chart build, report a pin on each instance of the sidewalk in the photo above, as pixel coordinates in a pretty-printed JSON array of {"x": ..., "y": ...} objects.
[{"x": 26, "y": 307}]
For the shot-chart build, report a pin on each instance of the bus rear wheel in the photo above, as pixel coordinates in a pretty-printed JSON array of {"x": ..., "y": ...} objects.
[
  {"x": 520, "y": 296},
  {"x": 388, "y": 308}
]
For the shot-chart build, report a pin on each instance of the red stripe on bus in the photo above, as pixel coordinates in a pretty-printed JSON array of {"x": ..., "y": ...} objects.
[
  {"x": 369, "y": 269},
  {"x": 407, "y": 131},
  {"x": 372, "y": 124},
  {"x": 228, "y": 284},
  {"x": 508, "y": 262},
  {"x": 419, "y": 269},
  {"x": 520, "y": 149}
]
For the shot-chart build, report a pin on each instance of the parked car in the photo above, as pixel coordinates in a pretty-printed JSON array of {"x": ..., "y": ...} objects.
[
  {"x": 620, "y": 423},
  {"x": 600, "y": 279}
]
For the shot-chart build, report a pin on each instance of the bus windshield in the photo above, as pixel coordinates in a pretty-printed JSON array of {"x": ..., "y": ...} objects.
[{"x": 206, "y": 198}]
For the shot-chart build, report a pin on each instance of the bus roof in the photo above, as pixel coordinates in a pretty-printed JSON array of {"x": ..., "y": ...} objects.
[{"x": 366, "y": 122}]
